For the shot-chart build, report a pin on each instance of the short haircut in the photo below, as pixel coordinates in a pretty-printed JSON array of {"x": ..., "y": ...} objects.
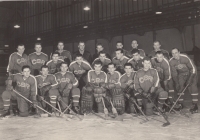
[
  {"x": 99, "y": 44},
  {"x": 175, "y": 49},
  {"x": 156, "y": 42},
  {"x": 97, "y": 63},
  {"x": 64, "y": 63},
  {"x": 134, "y": 40},
  {"x": 37, "y": 43},
  {"x": 102, "y": 52},
  {"x": 81, "y": 42},
  {"x": 44, "y": 66},
  {"x": 135, "y": 51},
  {"x": 67, "y": 60},
  {"x": 119, "y": 42},
  {"x": 26, "y": 67},
  {"x": 78, "y": 55},
  {"x": 128, "y": 64},
  {"x": 61, "y": 42},
  {"x": 159, "y": 52},
  {"x": 121, "y": 50},
  {"x": 111, "y": 64},
  {"x": 20, "y": 45},
  {"x": 56, "y": 53},
  {"x": 146, "y": 58}
]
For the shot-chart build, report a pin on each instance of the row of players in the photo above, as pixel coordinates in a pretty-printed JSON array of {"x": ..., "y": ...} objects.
[{"x": 145, "y": 81}]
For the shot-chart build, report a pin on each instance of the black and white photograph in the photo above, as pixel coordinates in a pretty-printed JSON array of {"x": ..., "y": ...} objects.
[{"x": 99, "y": 69}]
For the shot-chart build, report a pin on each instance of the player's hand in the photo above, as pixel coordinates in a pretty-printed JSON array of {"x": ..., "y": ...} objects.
[
  {"x": 69, "y": 86},
  {"x": 59, "y": 98},
  {"x": 153, "y": 89},
  {"x": 145, "y": 94},
  {"x": 130, "y": 82}
]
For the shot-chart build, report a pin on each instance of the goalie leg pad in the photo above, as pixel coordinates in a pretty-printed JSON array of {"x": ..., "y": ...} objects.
[{"x": 86, "y": 100}]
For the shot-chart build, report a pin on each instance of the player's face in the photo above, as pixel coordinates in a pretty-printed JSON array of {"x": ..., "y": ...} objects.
[
  {"x": 147, "y": 64},
  {"x": 64, "y": 67},
  {"x": 60, "y": 46},
  {"x": 111, "y": 68},
  {"x": 38, "y": 48},
  {"x": 79, "y": 60},
  {"x": 20, "y": 49},
  {"x": 45, "y": 71},
  {"x": 136, "y": 56},
  {"x": 175, "y": 54},
  {"x": 81, "y": 46},
  {"x": 97, "y": 68},
  {"x": 134, "y": 44},
  {"x": 99, "y": 48},
  {"x": 159, "y": 57},
  {"x": 119, "y": 54},
  {"x": 55, "y": 57},
  {"x": 128, "y": 69},
  {"x": 26, "y": 72},
  {"x": 119, "y": 46},
  {"x": 156, "y": 45},
  {"x": 102, "y": 57}
]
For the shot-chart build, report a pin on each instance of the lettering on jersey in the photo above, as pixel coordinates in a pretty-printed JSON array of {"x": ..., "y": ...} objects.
[
  {"x": 129, "y": 82},
  {"x": 79, "y": 71},
  {"x": 24, "y": 85},
  {"x": 38, "y": 61},
  {"x": 181, "y": 66},
  {"x": 112, "y": 81},
  {"x": 159, "y": 69},
  {"x": 21, "y": 60},
  {"x": 63, "y": 80},
  {"x": 146, "y": 78},
  {"x": 97, "y": 80},
  {"x": 43, "y": 84}
]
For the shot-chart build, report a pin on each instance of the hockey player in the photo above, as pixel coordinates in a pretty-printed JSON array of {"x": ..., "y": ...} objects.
[
  {"x": 37, "y": 59},
  {"x": 161, "y": 64},
  {"x": 54, "y": 64},
  {"x": 96, "y": 78},
  {"x": 63, "y": 54},
  {"x": 119, "y": 45},
  {"x": 127, "y": 85},
  {"x": 134, "y": 45},
  {"x": 156, "y": 46},
  {"x": 147, "y": 84},
  {"x": 47, "y": 86},
  {"x": 99, "y": 48},
  {"x": 26, "y": 86},
  {"x": 184, "y": 73},
  {"x": 17, "y": 60},
  {"x": 80, "y": 68},
  {"x": 136, "y": 60},
  {"x": 68, "y": 87},
  {"x": 105, "y": 61},
  {"x": 120, "y": 60},
  {"x": 114, "y": 88}
]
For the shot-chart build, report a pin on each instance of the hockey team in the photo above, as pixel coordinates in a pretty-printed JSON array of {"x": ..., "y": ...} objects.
[{"x": 130, "y": 82}]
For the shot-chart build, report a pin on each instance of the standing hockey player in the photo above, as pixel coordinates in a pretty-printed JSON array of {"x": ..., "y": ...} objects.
[
  {"x": 47, "y": 86},
  {"x": 37, "y": 59},
  {"x": 120, "y": 60},
  {"x": 99, "y": 48},
  {"x": 136, "y": 60},
  {"x": 26, "y": 86},
  {"x": 119, "y": 45},
  {"x": 80, "y": 68},
  {"x": 147, "y": 84},
  {"x": 134, "y": 45},
  {"x": 67, "y": 86},
  {"x": 114, "y": 88},
  {"x": 17, "y": 60},
  {"x": 54, "y": 64},
  {"x": 105, "y": 61},
  {"x": 157, "y": 47},
  {"x": 127, "y": 85},
  {"x": 184, "y": 73},
  {"x": 63, "y": 54}
]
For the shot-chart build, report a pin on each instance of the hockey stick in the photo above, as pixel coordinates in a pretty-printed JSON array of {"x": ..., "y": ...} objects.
[
  {"x": 31, "y": 102},
  {"x": 114, "y": 109},
  {"x": 164, "y": 116},
  {"x": 51, "y": 106},
  {"x": 178, "y": 98},
  {"x": 97, "y": 115},
  {"x": 105, "y": 109}
]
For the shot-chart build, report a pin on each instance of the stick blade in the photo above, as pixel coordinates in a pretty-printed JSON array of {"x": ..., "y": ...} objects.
[{"x": 166, "y": 124}]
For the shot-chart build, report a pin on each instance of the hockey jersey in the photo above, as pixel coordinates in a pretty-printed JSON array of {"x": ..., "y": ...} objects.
[
  {"x": 64, "y": 54},
  {"x": 48, "y": 80},
  {"x": 25, "y": 86},
  {"x": 37, "y": 61},
  {"x": 136, "y": 64},
  {"x": 105, "y": 62},
  {"x": 125, "y": 79},
  {"x": 114, "y": 78},
  {"x": 142, "y": 53},
  {"x": 97, "y": 78},
  {"x": 64, "y": 79},
  {"x": 16, "y": 62},
  {"x": 146, "y": 79},
  {"x": 163, "y": 68},
  {"x": 54, "y": 66},
  {"x": 165, "y": 53},
  {"x": 120, "y": 63}
]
